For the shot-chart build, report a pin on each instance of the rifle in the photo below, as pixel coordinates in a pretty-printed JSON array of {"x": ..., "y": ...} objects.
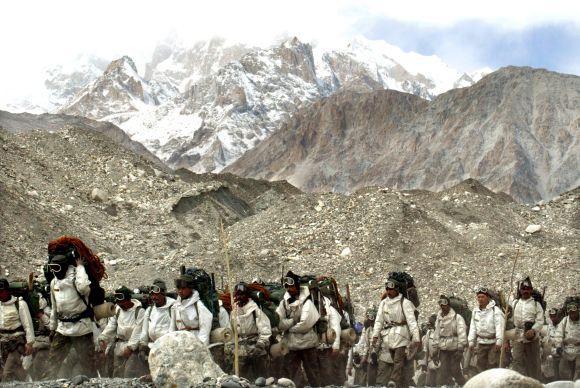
[{"x": 350, "y": 310}]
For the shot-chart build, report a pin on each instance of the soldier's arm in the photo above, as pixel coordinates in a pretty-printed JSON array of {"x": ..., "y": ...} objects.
[
  {"x": 144, "y": 337},
  {"x": 334, "y": 322},
  {"x": 308, "y": 318},
  {"x": 82, "y": 282},
  {"x": 264, "y": 328},
  {"x": 409, "y": 310},
  {"x": 285, "y": 323},
  {"x": 499, "y": 320},
  {"x": 472, "y": 336},
  {"x": 133, "y": 342},
  {"x": 461, "y": 331},
  {"x": 26, "y": 321},
  {"x": 436, "y": 332},
  {"x": 110, "y": 330},
  {"x": 205, "y": 322},
  {"x": 53, "y": 320}
]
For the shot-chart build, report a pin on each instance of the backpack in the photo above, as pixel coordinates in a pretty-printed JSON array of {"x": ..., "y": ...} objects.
[
  {"x": 407, "y": 286},
  {"x": 21, "y": 291},
  {"x": 462, "y": 308},
  {"x": 261, "y": 296},
  {"x": 207, "y": 292},
  {"x": 329, "y": 288},
  {"x": 538, "y": 297}
]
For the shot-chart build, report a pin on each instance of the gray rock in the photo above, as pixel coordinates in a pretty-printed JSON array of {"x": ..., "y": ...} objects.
[
  {"x": 78, "y": 380},
  {"x": 180, "y": 359},
  {"x": 501, "y": 378},
  {"x": 270, "y": 380},
  {"x": 533, "y": 228},
  {"x": 260, "y": 382},
  {"x": 99, "y": 195},
  {"x": 284, "y": 382}
]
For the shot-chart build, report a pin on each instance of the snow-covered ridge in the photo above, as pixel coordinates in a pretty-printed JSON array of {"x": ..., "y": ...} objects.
[{"x": 202, "y": 107}]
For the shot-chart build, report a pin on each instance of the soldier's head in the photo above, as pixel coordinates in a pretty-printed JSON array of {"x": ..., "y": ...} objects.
[
  {"x": 444, "y": 304},
  {"x": 526, "y": 288},
  {"x": 58, "y": 265},
  {"x": 157, "y": 292},
  {"x": 185, "y": 285},
  {"x": 573, "y": 311},
  {"x": 4, "y": 290},
  {"x": 241, "y": 294},
  {"x": 123, "y": 298},
  {"x": 392, "y": 288},
  {"x": 292, "y": 284},
  {"x": 553, "y": 313},
  {"x": 482, "y": 294}
]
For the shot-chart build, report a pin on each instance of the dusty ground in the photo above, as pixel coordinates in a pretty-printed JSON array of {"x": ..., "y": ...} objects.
[{"x": 146, "y": 222}]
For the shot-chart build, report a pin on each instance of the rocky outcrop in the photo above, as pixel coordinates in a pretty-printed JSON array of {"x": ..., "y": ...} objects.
[
  {"x": 179, "y": 359},
  {"x": 516, "y": 131}
]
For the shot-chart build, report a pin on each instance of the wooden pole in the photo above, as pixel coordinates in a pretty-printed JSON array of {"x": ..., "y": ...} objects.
[
  {"x": 505, "y": 312},
  {"x": 225, "y": 243}
]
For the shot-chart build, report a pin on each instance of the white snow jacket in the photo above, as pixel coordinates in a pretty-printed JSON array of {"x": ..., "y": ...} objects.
[
  {"x": 527, "y": 310},
  {"x": 568, "y": 337},
  {"x": 252, "y": 323},
  {"x": 66, "y": 301},
  {"x": 17, "y": 318},
  {"x": 396, "y": 323},
  {"x": 156, "y": 322},
  {"x": 487, "y": 325},
  {"x": 297, "y": 320},
  {"x": 223, "y": 317},
  {"x": 124, "y": 326},
  {"x": 450, "y": 331},
  {"x": 192, "y": 315}
]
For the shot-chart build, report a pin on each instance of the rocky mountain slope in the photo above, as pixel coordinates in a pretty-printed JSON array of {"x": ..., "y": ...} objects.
[
  {"x": 26, "y": 122},
  {"x": 144, "y": 223},
  {"x": 203, "y": 107},
  {"x": 517, "y": 131}
]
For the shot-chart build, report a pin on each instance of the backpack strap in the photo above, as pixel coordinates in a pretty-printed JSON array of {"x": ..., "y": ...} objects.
[{"x": 137, "y": 309}]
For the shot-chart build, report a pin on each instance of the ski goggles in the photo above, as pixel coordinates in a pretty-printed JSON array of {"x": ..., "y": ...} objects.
[
  {"x": 4, "y": 286},
  {"x": 53, "y": 267},
  {"x": 390, "y": 285},
  {"x": 572, "y": 307},
  {"x": 288, "y": 281},
  {"x": 371, "y": 315},
  {"x": 553, "y": 312},
  {"x": 443, "y": 302},
  {"x": 482, "y": 290},
  {"x": 241, "y": 287},
  {"x": 155, "y": 290},
  {"x": 119, "y": 296}
]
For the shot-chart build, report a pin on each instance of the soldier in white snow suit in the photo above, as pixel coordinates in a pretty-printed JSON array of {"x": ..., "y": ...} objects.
[
  {"x": 486, "y": 331},
  {"x": 450, "y": 339},
  {"x": 550, "y": 357},
  {"x": 124, "y": 325},
  {"x": 156, "y": 321},
  {"x": 397, "y": 327},
  {"x": 528, "y": 316},
  {"x": 16, "y": 334},
  {"x": 189, "y": 311},
  {"x": 568, "y": 344},
  {"x": 254, "y": 332},
  {"x": 71, "y": 321},
  {"x": 328, "y": 354},
  {"x": 365, "y": 369},
  {"x": 430, "y": 362},
  {"x": 298, "y": 315}
]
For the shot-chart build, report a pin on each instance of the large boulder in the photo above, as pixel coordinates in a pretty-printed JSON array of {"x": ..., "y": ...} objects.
[
  {"x": 502, "y": 378},
  {"x": 179, "y": 359}
]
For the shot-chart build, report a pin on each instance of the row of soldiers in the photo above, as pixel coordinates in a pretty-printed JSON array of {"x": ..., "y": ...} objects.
[{"x": 385, "y": 353}]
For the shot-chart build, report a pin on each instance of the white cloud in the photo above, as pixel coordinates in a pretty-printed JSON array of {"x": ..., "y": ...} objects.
[{"x": 38, "y": 33}]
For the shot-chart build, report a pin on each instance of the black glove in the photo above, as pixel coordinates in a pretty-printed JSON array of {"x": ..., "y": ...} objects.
[
  {"x": 374, "y": 359},
  {"x": 356, "y": 358},
  {"x": 559, "y": 350}
]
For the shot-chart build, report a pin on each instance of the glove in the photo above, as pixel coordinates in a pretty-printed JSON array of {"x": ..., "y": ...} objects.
[
  {"x": 374, "y": 359},
  {"x": 356, "y": 358},
  {"x": 559, "y": 350}
]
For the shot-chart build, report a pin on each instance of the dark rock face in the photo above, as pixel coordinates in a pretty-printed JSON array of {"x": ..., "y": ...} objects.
[{"x": 515, "y": 131}]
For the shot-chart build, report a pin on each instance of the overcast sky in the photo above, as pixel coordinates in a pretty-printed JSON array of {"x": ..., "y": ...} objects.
[{"x": 466, "y": 34}]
